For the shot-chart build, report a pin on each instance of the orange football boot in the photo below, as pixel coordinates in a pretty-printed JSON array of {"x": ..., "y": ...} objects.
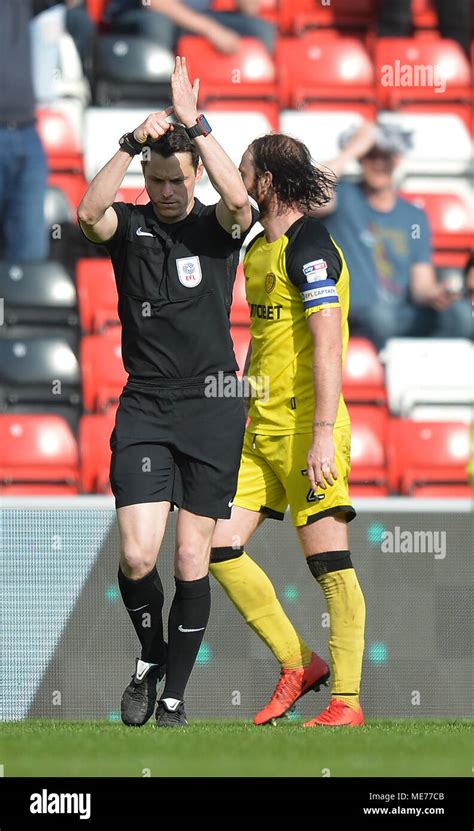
[
  {"x": 293, "y": 684},
  {"x": 337, "y": 714}
]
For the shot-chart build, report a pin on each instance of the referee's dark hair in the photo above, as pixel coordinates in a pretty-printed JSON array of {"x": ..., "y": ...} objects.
[
  {"x": 296, "y": 179},
  {"x": 175, "y": 141}
]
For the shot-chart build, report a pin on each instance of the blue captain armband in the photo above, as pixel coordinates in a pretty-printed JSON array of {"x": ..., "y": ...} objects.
[{"x": 322, "y": 293}]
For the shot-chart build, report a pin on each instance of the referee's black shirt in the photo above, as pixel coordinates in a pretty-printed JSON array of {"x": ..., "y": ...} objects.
[{"x": 175, "y": 285}]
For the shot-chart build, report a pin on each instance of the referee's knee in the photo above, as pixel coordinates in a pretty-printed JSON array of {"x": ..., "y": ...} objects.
[{"x": 220, "y": 554}]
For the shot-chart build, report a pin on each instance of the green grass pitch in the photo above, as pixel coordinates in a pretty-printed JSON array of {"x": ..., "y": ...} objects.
[{"x": 230, "y": 748}]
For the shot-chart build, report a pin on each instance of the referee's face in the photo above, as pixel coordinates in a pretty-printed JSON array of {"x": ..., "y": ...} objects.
[{"x": 170, "y": 185}]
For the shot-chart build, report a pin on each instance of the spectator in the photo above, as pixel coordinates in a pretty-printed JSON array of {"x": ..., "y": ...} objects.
[
  {"x": 62, "y": 16},
  {"x": 166, "y": 20},
  {"x": 23, "y": 168},
  {"x": 386, "y": 241},
  {"x": 82, "y": 30},
  {"x": 395, "y": 20}
]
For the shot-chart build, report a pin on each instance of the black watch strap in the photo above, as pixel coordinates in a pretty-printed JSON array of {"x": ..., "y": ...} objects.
[{"x": 129, "y": 143}]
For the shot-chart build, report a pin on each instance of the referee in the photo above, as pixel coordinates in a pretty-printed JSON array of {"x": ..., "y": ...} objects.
[{"x": 175, "y": 261}]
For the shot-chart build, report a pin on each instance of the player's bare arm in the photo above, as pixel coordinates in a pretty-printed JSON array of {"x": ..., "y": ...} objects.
[
  {"x": 233, "y": 208},
  {"x": 97, "y": 218},
  {"x": 325, "y": 327}
]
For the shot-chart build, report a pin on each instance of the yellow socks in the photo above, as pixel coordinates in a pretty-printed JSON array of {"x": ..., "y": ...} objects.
[
  {"x": 346, "y": 607},
  {"x": 253, "y": 594}
]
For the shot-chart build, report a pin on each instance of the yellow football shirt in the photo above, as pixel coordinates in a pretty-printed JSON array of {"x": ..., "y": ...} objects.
[{"x": 301, "y": 273}]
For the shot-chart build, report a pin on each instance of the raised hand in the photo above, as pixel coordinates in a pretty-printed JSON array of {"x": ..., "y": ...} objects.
[{"x": 184, "y": 96}]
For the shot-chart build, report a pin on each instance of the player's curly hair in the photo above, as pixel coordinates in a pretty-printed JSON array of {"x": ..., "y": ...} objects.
[{"x": 296, "y": 180}]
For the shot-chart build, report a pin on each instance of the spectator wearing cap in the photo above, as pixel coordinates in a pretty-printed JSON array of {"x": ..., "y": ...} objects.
[
  {"x": 387, "y": 245},
  {"x": 166, "y": 20}
]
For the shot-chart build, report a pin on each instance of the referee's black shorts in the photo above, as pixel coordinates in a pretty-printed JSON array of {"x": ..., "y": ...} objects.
[{"x": 175, "y": 444}]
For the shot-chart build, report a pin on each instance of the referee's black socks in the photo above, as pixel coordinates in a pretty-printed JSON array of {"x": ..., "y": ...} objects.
[
  {"x": 187, "y": 623},
  {"x": 143, "y": 601}
]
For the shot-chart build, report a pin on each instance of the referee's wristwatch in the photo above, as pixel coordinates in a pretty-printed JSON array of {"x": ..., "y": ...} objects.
[
  {"x": 200, "y": 128},
  {"x": 129, "y": 143}
]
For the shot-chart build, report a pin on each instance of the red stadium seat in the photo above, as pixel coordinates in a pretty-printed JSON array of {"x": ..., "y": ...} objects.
[
  {"x": 298, "y": 15},
  {"x": 94, "y": 448},
  {"x": 97, "y": 295},
  {"x": 137, "y": 196},
  {"x": 241, "y": 339},
  {"x": 451, "y": 218},
  {"x": 248, "y": 73},
  {"x": 72, "y": 184},
  {"x": 321, "y": 68},
  {"x": 420, "y": 69},
  {"x": 59, "y": 141},
  {"x": 103, "y": 375},
  {"x": 38, "y": 454},
  {"x": 239, "y": 313},
  {"x": 428, "y": 457},
  {"x": 368, "y": 475},
  {"x": 363, "y": 377}
]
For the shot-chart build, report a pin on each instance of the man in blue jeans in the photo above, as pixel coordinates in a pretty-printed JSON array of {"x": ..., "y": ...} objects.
[
  {"x": 387, "y": 244},
  {"x": 165, "y": 20},
  {"x": 23, "y": 168}
]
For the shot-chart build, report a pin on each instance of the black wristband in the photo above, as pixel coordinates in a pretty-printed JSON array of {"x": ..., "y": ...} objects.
[{"x": 131, "y": 146}]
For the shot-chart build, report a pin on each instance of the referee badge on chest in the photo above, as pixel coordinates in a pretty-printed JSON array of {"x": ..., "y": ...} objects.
[{"x": 189, "y": 271}]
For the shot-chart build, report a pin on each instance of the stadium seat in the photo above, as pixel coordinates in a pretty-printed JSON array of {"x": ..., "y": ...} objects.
[
  {"x": 73, "y": 186},
  {"x": 103, "y": 374},
  {"x": 239, "y": 313},
  {"x": 133, "y": 195},
  {"x": 368, "y": 475},
  {"x": 38, "y": 455},
  {"x": 249, "y": 73},
  {"x": 320, "y": 127},
  {"x": 132, "y": 68},
  {"x": 429, "y": 458},
  {"x": 94, "y": 449},
  {"x": 317, "y": 68},
  {"x": 268, "y": 110},
  {"x": 38, "y": 370},
  {"x": 97, "y": 295},
  {"x": 38, "y": 293},
  {"x": 241, "y": 339},
  {"x": 59, "y": 141},
  {"x": 420, "y": 69},
  {"x": 234, "y": 130},
  {"x": 296, "y": 16},
  {"x": 57, "y": 209},
  {"x": 451, "y": 218},
  {"x": 428, "y": 371},
  {"x": 363, "y": 375},
  {"x": 441, "y": 142},
  {"x": 109, "y": 124}
]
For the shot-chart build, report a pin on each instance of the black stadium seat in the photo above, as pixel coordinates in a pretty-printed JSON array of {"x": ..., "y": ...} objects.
[
  {"x": 38, "y": 293},
  {"x": 40, "y": 370},
  {"x": 131, "y": 68}
]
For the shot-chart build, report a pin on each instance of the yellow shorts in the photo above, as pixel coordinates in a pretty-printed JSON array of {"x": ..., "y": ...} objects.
[{"x": 273, "y": 475}]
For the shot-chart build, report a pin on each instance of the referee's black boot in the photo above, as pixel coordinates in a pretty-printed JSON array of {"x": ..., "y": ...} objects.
[
  {"x": 170, "y": 713},
  {"x": 139, "y": 698}
]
